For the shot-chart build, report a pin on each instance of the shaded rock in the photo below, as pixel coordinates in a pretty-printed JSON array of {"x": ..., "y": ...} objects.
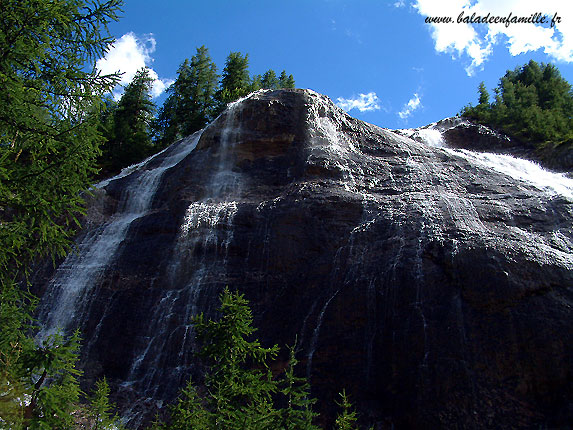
[{"x": 435, "y": 290}]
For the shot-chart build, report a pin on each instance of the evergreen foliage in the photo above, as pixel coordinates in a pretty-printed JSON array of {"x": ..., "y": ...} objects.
[
  {"x": 129, "y": 134},
  {"x": 346, "y": 420},
  {"x": 240, "y": 391},
  {"x": 298, "y": 413},
  {"x": 269, "y": 81},
  {"x": 532, "y": 102},
  {"x": 40, "y": 388},
  {"x": 100, "y": 409},
  {"x": 286, "y": 81},
  {"x": 49, "y": 142},
  {"x": 190, "y": 105},
  {"x": 194, "y": 99},
  {"x": 235, "y": 81}
]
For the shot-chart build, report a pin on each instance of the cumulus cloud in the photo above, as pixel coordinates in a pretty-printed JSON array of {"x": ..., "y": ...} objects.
[
  {"x": 477, "y": 41},
  {"x": 413, "y": 104},
  {"x": 129, "y": 54},
  {"x": 364, "y": 102}
]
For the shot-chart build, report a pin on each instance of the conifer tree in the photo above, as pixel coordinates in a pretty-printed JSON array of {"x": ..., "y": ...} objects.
[
  {"x": 269, "y": 80},
  {"x": 240, "y": 391},
  {"x": 532, "y": 102},
  {"x": 49, "y": 96},
  {"x": 483, "y": 94},
  {"x": 190, "y": 105},
  {"x": 130, "y": 139},
  {"x": 52, "y": 382},
  {"x": 240, "y": 396},
  {"x": 235, "y": 81},
  {"x": 346, "y": 419},
  {"x": 286, "y": 81},
  {"x": 197, "y": 106},
  {"x": 100, "y": 409},
  {"x": 298, "y": 413},
  {"x": 165, "y": 129},
  {"x": 256, "y": 83}
]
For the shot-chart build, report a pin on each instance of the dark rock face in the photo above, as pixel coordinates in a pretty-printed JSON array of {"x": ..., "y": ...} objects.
[{"x": 437, "y": 292}]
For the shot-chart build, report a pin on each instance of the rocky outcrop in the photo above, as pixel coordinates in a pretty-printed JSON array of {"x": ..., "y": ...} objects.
[
  {"x": 465, "y": 134},
  {"x": 436, "y": 291}
]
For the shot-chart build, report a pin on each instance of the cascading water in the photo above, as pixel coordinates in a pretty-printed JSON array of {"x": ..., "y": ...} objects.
[
  {"x": 523, "y": 170},
  {"x": 199, "y": 259},
  {"x": 68, "y": 293},
  {"x": 412, "y": 276}
]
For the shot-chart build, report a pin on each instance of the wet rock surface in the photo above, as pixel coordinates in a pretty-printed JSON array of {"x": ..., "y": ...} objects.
[
  {"x": 463, "y": 133},
  {"x": 437, "y": 292}
]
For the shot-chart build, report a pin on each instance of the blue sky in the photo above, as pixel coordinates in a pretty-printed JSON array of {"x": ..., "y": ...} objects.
[{"x": 378, "y": 59}]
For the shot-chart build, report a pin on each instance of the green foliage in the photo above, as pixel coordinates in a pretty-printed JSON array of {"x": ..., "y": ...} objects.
[
  {"x": 286, "y": 81},
  {"x": 298, "y": 413},
  {"x": 235, "y": 81},
  {"x": 190, "y": 105},
  {"x": 239, "y": 381},
  {"x": 42, "y": 387},
  {"x": 270, "y": 81},
  {"x": 55, "y": 392},
  {"x": 49, "y": 103},
  {"x": 240, "y": 391},
  {"x": 189, "y": 412},
  {"x": 483, "y": 94},
  {"x": 165, "y": 127},
  {"x": 346, "y": 420},
  {"x": 128, "y": 126},
  {"x": 100, "y": 409},
  {"x": 194, "y": 99},
  {"x": 533, "y": 103},
  {"x": 47, "y": 141}
]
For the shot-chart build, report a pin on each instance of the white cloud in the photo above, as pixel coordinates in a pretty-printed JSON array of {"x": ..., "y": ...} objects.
[
  {"x": 129, "y": 54},
  {"x": 364, "y": 102},
  {"x": 413, "y": 104},
  {"x": 476, "y": 41},
  {"x": 400, "y": 3}
]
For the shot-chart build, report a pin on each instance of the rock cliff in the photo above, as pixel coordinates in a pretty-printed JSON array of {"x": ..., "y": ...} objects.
[{"x": 435, "y": 289}]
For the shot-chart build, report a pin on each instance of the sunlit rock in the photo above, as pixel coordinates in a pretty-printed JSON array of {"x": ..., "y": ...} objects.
[{"x": 434, "y": 284}]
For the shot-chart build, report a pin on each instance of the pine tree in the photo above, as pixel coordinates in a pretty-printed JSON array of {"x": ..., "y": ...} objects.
[
  {"x": 286, "y": 81},
  {"x": 483, "y": 94},
  {"x": 240, "y": 391},
  {"x": 298, "y": 413},
  {"x": 269, "y": 80},
  {"x": 106, "y": 129},
  {"x": 130, "y": 139},
  {"x": 100, "y": 409},
  {"x": 533, "y": 103},
  {"x": 188, "y": 412},
  {"x": 198, "y": 105},
  {"x": 239, "y": 381},
  {"x": 165, "y": 127},
  {"x": 49, "y": 140},
  {"x": 346, "y": 419},
  {"x": 235, "y": 81},
  {"x": 190, "y": 105},
  {"x": 52, "y": 381},
  {"x": 256, "y": 83}
]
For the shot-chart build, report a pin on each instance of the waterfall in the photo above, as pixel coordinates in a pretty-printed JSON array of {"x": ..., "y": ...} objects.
[
  {"x": 199, "y": 260},
  {"x": 523, "y": 170},
  {"x": 67, "y": 295}
]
